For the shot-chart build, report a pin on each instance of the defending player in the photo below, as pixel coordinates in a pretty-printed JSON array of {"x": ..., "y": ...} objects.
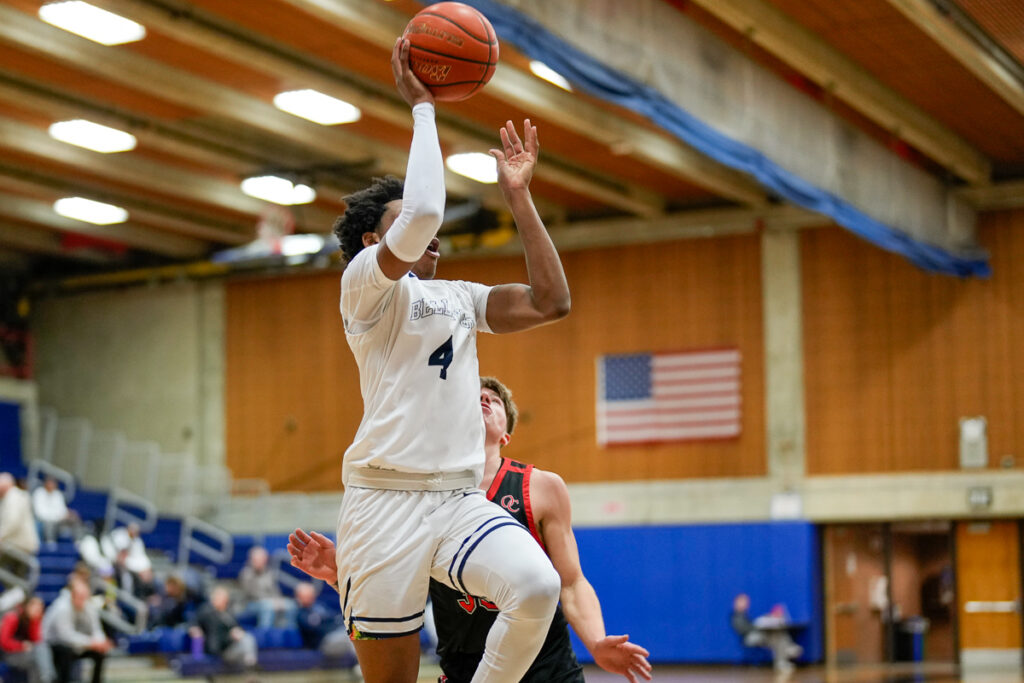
[
  {"x": 540, "y": 501},
  {"x": 411, "y": 510}
]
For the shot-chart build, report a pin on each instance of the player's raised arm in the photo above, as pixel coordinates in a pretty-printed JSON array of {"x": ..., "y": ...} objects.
[
  {"x": 515, "y": 307},
  {"x": 582, "y": 609},
  {"x": 423, "y": 198}
]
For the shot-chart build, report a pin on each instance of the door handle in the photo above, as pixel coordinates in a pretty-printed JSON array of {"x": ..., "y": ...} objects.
[{"x": 992, "y": 606}]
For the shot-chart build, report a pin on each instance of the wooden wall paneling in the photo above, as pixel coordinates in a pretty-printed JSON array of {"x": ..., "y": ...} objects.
[
  {"x": 287, "y": 358},
  {"x": 691, "y": 294},
  {"x": 293, "y": 401},
  {"x": 895, "y": 356}
]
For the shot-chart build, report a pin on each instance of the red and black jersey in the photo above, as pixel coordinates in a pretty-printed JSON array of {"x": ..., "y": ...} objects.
[{"x": 463, "y": 621}]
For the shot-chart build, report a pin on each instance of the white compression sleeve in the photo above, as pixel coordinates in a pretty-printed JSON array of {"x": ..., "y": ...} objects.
[{"x": 423, "y": 197}]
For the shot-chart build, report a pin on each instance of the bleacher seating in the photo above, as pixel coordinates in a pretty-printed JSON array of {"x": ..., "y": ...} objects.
[{"x": 279, "y": 649}]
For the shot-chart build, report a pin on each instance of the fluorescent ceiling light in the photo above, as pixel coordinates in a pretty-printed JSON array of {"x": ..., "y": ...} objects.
[
  {"x": 279, "y": 190},
  {"x": 542, "y": 70},
  {"x": 317, "y": 107},
  {"x": 92, "y": 22},
  {"x": 90, "y": 211},
  {"x": 92, "y": 136},
  {"x": 481, "y": 167},
  {"x": 297, "y": 245}
]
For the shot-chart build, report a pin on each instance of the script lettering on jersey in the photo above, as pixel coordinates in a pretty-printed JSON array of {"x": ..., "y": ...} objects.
[
  {"x": 510, "y": 503},
  {"x": 470, "y": 602},
  {"x": 424, "y": 308}
]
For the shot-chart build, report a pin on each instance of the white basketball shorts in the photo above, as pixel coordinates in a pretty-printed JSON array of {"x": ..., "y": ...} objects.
[{"x": 392, "y": 542}]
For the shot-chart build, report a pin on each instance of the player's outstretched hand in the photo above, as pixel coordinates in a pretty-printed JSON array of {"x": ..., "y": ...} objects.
[
  {"x": 615, "y": 654},
  {"x": 516, "y": 158},
  {"x": 410, "y": 87},
  {"x": 314, "y": 554}
]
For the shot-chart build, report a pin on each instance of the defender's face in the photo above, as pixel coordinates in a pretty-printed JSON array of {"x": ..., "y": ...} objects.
[
  {"x": 426, "y": 267},
  {"x": 495, "y": 419}
]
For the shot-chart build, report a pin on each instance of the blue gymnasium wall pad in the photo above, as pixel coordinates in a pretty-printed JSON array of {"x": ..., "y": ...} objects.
[
  {"x": 595, "y": 78},
  {"x": 10, "y": 439},
  {"x": 671, "y": 588}
]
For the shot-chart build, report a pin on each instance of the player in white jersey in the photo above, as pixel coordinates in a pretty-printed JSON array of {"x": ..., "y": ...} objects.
[{"x": 412, "y": 510}]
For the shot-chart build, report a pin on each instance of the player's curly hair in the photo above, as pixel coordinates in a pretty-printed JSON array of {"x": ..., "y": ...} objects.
[
  {"x": 363, "y": 211},
  {"x": 511, "y": 412}
]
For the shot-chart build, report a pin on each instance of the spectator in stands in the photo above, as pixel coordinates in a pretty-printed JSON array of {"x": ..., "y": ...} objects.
[
  {"x": 221, "y": 633},
  {"x": 72, "y": 628},
  {"x": 90, "y": 550},
  {"x": 169, "y": 608},
  {"x": 263, "y": 594},
  {"x": 17, "y": 524},
  {"x": 126, "y": 542},
  {"x": 767, "y": 631},
  {"x": 21, "y": 639},
  {"x": 320, "y": 629},
  {"x": 52, "y": 513}
]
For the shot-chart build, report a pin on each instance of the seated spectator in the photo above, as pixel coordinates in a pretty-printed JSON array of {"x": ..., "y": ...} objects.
[
  {"x": 52, "y": 513},
  {"x": 222, "y": 637},
  {"x": 17, "y": 524},
  {"x": 21, "y": 639},
  {"x": 766, "y": 631},
  {"x": 72, "y": 628},
  {"x": 89, "y": 548},
  {"x": 169, "y": 607},
  {"x": 319, "y": 628},
  {"x": 262, "y": 594},
  {"x": 127, "y": 542}
]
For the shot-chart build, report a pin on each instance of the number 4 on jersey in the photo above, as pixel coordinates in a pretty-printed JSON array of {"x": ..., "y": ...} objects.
[{"x": 442, "y": 356}]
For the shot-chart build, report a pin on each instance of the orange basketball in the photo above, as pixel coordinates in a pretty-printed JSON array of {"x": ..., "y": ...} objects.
[{"x": 452, "y": 49}]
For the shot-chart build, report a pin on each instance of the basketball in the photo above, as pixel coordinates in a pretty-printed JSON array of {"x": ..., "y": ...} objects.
[{"x": 453, "y": 49}]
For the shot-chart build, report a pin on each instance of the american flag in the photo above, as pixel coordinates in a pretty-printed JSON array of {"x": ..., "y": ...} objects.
[{"x": 645, "y": 397}]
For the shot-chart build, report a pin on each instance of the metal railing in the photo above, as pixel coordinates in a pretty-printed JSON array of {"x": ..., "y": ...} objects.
[
  {"x": 104, "y": 460},
  {"x": 141, "y": 476},
  {"x": 71, "y": 444},
  {"x": 47, "y": 433},
  {"x": 40, "y": 469},
  {"x": 113, "y": 617},
  {"x": 192, "y": 543},
  {"x": 10, "y": 579},
  {"x": 120, "y": 504}
]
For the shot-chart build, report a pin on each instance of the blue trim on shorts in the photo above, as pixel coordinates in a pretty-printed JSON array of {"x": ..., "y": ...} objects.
[
  {"x": 344, "y": 604},
  {"x": 455, "y": 557},
  {"x": 389, "y": 619},
  {"x": 465, "y": 557}
]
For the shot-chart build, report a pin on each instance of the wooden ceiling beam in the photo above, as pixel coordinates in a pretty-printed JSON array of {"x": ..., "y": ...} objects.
[
  {"x": 236, "y": 44},
  {"x": 30, "y": 181},
  {"x": 381, "y": 25},
  {"x": 1000, "y": 196},
  {"x": 45, "y": 242},
  {"x": 151, "y": 176},
  {"x": 140, "y": 237},
  {"x": 187, "y": 90},
  {"x": 963, "y": 49},
  {"x": 696, "y": 224},
  {"x": 783, "y": 37}
]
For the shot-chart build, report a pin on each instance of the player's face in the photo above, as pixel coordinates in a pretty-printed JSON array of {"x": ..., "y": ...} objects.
[
  {"x": 495, "y": 419},
  {"x": 426, "y": 267}
]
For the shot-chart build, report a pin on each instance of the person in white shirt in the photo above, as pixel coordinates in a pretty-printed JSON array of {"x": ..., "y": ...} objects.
[
  {"x": 126, "y": 543},
  {"x": 412, "y": 510},
  {"x": 17, "y": 525},
  {"x": 51, "y": 510}
]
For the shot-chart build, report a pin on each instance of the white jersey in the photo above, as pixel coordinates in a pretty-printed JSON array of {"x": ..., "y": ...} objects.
[{"x": 415, "y": 344}]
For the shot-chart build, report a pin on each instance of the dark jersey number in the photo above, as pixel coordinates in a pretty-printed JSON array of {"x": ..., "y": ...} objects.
[{"x": 442, "y": 356}]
